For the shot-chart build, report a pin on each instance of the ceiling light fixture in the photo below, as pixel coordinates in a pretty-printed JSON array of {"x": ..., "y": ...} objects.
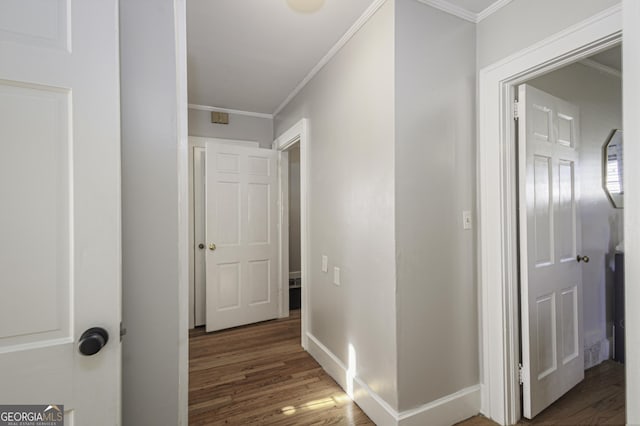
[{"x": 305, "y": 6}]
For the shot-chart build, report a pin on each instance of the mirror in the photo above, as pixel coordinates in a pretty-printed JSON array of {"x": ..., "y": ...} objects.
[{"x": 613, "y": 167}]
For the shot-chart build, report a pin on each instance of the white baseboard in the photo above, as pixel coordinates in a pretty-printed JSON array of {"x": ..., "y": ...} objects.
[
  {"x": 444, "y": 411},
  {"x": 295, "y": 274}
]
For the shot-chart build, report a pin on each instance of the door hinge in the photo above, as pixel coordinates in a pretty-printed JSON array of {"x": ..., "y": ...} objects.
[
  {"x": 520, "y": 373},
  {"x": 516, "y": 113},
  {"x": 123, "y": 331}
]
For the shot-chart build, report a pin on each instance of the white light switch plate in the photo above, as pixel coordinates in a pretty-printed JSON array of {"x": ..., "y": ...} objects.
[
  {"x": 325, "y": 263},
  {"x": 466, "y": 219},
  {"x": 336, "y": 275}
]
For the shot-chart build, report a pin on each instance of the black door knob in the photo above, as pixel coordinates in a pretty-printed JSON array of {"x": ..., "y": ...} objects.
[
  {"x": 92, "y": 341},
  {"x": 200, "y": 246}
]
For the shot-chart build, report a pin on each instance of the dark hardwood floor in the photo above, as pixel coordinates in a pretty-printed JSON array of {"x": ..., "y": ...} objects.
[
  {"x": 598, "y": 400},
  {"x": 259, "y": 375}
]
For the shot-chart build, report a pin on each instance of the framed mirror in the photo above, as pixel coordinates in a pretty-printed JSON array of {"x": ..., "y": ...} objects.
[{"x": 613, "y": 167}]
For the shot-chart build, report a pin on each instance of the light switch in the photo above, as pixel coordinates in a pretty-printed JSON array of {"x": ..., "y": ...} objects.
[
  {"x": 325, "y": 263},
  {"x": 336, "y": 275},
  {"x": 466, "y": 219}
]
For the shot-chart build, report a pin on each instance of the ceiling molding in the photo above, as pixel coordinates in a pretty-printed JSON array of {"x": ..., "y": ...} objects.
[
  {"x": 452, "y": 9},
  {"x": 463, "y": 13},
  {"x": 231, "y": 111},
  {"x": 601, "y": 67},
  {"x": 443, "y": 5},
  {"x": 492, "y": 9},
  {"x": 371, "y": 10}
]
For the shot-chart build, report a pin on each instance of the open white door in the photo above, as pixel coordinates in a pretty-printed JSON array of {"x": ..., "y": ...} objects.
[
  {"x": 551, "y": 274},
  {"x": 60, "y": 250},
  {"x": 242, "y": 235}
]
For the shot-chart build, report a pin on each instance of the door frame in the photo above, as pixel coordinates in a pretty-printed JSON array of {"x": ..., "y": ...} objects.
[
  {"x": 497, "y": 201},
  {"x": 297, "y": 134}
]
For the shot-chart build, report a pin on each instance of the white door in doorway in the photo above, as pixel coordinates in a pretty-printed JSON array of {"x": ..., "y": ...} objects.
[
  {"x": 60, "y": 247},
  {"x": 242, "y": 235},
  {"x": 551, "y": 274}
]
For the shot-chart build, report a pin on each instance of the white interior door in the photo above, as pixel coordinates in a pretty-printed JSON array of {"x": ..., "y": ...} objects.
[
  {"x": 242, "y": 236},
  {"x": 60, "y": 247},
  {"x": 551, "y": 275}
]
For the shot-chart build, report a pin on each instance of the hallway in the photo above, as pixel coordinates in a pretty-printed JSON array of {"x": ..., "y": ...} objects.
[{"x": 259, "y": 374}]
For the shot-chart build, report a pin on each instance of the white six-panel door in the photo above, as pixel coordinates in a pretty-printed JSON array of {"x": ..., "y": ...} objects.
[
  {"x": 242, "y": 236},
  {"x": 60, "y": 205},
  {"x": 551, "y": 276}
]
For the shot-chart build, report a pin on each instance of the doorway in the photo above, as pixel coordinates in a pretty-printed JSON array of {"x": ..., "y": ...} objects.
[
  {"x": 497, "y": 193},
  {"x": 571, "y": 231}
]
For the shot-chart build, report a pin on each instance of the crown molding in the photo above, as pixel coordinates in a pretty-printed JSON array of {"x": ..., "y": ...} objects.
[
  {"x": 451, "y": 9},
  {"x": 442, "y": 5},
  {"x": 601, "y": 67},
  {"x": 371, "y": 10},
  {"x": 463, "y": 13},
  {"x": 231, "y": 111},
  {"x": 492, "y": 9}
]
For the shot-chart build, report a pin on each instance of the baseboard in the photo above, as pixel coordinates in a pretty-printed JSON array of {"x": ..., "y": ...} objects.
[
  {"x": 444, "y": 411},
  {"x": 597, "y": 349},
  {"x": 295, "y": 274}
]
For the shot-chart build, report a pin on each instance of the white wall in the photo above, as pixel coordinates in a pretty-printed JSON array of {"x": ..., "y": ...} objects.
[
  {"x": 349, "y": 105},
  {"x": 524, "y": 22},
  {"x": 294, "y": 209},
  {"x": 599, "y": 97},
  {"x": 150, "y": 218},
  {"x": 631, "y": 99},
  {"x": 240, "y": 127},
  {"x": 435, "y": 182}
]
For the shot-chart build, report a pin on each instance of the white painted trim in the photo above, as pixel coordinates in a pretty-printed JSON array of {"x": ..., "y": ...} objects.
[
  {"x": 461, "y": 12},
  {"x": 232, "y": 111},
  {"x": 371, "y": 10},
  {"x": 497, "y": 201},
  {"x": 492, "y": 9},
  {"x": 295, "y": 274},
  {"x": 452, "y": 9},
  {"x": 447, "y": 410},
  {"x": 444, "y": 411},
  {"x": 601, "y": 67},
  {"x": 299, "y": 133},
  {"x": 182, "y": 290}
]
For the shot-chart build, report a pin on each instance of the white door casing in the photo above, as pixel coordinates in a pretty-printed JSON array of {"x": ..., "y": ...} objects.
[
  {"x": 242, "y": 236},
  {"x": 60, "y": 250},
  {"x": 551, "y": 276}
]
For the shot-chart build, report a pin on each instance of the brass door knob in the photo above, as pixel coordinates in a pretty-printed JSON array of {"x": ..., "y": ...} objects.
[
  {"x": 212, "y": 247},
  {"x": 584, "y": 259}
]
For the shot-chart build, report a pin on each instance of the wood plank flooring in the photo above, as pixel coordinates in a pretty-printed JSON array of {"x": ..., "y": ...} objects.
[
  {"x": 598, "y": 400},
  {"x": 259, "y": 375}
]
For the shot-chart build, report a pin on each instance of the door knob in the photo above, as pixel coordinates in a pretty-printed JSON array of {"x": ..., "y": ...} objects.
[
  {"x": 92, "y": 341},
  {"x": 212, "y": 247},
  {"x": 200, "y": 246},
  {"x": 584, "y": 259}
]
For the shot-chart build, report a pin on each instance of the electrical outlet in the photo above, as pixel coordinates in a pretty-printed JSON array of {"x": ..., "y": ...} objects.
[
  {"x": 325, "y": 263},
  {"x": 336, "y": 275}
]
